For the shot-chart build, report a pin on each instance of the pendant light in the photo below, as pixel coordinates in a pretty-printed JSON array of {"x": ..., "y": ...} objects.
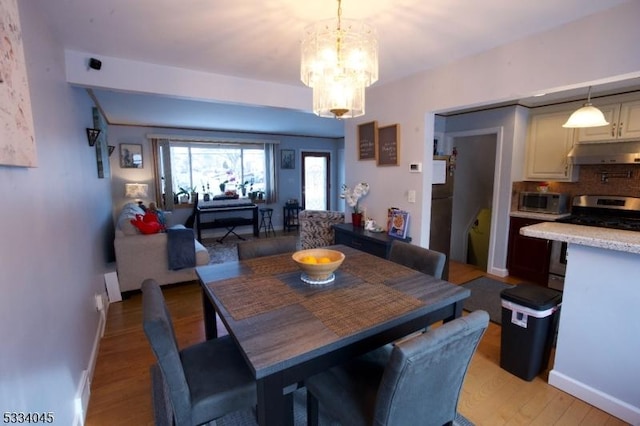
[
  {"x": 339, "y": 59},
  {"x": 587, "y": 116}
]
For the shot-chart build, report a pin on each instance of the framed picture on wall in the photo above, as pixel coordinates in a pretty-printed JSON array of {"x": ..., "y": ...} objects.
[
  {"x": 287, "y": 159},
  {"x": 130, "y": 156},
  {"x": 367, "y": 140},
  {"x": 388, "y": 147}
]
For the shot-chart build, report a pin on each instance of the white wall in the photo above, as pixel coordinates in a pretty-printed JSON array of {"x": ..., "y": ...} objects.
[
  {"x": 53, "y": 248},
  {"x": 601, "y": 47},
  {"x": 128, "y": 75}
]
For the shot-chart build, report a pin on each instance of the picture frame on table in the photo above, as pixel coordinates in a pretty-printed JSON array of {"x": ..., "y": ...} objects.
[
  {"x": 131, "y": 156},
  {"x": 398, "y": 223},
  {"x": 287, "y": 159}
]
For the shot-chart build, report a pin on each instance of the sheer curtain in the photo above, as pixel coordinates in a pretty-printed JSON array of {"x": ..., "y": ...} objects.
[{"x": 161, "y": 147}]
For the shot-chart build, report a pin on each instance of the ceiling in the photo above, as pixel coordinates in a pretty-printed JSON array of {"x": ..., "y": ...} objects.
[{"x": 260, "y": 40}]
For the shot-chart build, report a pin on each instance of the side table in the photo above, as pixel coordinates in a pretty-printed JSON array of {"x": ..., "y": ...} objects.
[
  {"x": 290, "y": 216},
  {"x": 376, "y": 243}
]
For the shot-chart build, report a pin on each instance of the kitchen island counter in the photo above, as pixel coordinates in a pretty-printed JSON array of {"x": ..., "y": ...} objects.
[
  {"x": 598, "y": 348},
  {"x": 591, "y": 236}
]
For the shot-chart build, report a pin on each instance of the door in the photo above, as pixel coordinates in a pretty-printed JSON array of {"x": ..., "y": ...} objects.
[
  {"x": 473, "y": 188},
  {"x": 315, "y": 180}
]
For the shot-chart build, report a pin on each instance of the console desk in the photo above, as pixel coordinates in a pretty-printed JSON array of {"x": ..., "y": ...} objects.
[
  {"x": 225, "y": 220},
  {"x": 376, "y": 243}
]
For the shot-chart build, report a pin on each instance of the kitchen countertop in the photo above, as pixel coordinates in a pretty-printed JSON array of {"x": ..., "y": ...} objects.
[
  {"x": 539, "y": 216},
  {"x": 592, "y": 236}
]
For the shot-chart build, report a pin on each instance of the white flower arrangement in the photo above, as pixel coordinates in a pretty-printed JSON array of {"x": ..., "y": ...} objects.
[{"x": 352, "y": 196}]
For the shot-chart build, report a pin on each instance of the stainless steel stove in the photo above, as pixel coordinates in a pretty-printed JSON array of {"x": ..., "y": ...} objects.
[
  {"x": 593, "y": 210},
  {"x": 605, "y": 211}
]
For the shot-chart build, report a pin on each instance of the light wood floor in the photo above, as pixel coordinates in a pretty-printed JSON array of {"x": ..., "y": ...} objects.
[{"x": 121, "y": 395}]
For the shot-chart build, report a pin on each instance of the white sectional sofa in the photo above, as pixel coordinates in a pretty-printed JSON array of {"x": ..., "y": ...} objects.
[{"x": 140, "y": 256}]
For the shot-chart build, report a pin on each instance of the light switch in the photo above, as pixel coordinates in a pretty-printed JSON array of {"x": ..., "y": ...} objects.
[{"x": 411, "y": 196}]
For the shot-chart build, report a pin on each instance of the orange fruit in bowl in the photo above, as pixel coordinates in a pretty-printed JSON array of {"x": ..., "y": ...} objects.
[{"x": 318, "y": 264}]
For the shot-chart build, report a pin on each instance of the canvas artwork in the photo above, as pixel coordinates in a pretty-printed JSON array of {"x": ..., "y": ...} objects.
[
  {"x": 17, "y": 142},
  {"x": 287, "y": 159},
  {"x": 131, "y": 156}
]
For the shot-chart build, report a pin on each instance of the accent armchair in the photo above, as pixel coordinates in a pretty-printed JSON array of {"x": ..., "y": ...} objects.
[{"x": 316, "y": 227}]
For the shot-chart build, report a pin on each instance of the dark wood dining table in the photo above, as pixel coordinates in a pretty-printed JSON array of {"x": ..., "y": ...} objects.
[{"x": 288, "y": 330}]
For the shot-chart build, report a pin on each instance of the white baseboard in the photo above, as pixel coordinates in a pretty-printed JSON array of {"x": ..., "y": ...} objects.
[
  {"x": 603, "y": 401},
  {"x": 81, "y": 401},
  {"x": 499, "y": 272}
]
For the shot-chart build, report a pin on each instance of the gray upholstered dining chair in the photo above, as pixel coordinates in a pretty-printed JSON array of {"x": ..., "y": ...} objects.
[
  {"x": 202, "y": 382},
  {"x": 421, "y": 259},
  {"x": 418, "y": 384},
  {"x": 267, "y": 246},
  {"x": 316, "y": 227}
]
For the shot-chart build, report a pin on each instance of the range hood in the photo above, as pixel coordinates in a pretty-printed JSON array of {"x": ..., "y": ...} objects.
[{"x": 605, "y": 153}]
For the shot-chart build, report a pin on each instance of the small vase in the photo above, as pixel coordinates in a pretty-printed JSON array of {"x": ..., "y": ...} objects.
[{"x": 356, "y": 220}]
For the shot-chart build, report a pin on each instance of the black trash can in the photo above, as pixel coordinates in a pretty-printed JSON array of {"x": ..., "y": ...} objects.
[{"x": 529, "y": 321}]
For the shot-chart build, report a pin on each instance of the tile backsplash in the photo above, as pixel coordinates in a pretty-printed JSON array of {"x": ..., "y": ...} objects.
[{"x": 622, "y": 180}]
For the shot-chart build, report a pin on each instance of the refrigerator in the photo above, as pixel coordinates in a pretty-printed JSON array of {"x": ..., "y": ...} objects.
[{"x": 442, "y": 208}]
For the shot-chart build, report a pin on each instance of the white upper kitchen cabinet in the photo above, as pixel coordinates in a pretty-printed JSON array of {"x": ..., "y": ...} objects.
[
  {"x": 624, "y": 123},
  {"x": 548, "y": 144}
]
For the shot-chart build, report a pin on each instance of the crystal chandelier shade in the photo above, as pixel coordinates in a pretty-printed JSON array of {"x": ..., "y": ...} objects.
[
  {"x": 338, "y": 60},
  {"x": 339, "y": 98}
]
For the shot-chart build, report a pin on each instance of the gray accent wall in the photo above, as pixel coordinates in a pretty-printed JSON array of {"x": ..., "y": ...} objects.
[{"x": 53, "y": 244}]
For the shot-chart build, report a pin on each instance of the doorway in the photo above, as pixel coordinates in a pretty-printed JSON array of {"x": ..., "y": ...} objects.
[
  {"x": 473, "y": 196},
  {"x": 315, "y": 180}
]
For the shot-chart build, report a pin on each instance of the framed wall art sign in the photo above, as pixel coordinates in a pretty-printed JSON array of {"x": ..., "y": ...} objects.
[
  {"x": 130, "y": 156},
  {"x": 388, "y": 151},
  {"x": 367, "y": 140},
  {"x": 287, "y": 159}
]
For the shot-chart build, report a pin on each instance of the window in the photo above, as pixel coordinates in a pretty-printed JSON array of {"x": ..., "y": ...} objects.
[{"x": 213, "y": 169}]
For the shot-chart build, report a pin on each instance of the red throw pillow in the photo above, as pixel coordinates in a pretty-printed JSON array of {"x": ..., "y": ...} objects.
[
  {"x": 146, "y": 225},
  {"x": 150, "y": 216}
]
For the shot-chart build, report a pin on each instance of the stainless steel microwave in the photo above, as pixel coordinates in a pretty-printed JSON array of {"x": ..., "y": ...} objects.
[{"x": 543, "y": 202}]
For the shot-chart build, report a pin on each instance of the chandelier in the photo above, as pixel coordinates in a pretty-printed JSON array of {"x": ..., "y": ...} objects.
[{"x": 338, "y": 62}]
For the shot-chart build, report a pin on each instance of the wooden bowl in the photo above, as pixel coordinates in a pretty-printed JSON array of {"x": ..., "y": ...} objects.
[{"x": 324, "y": 268}]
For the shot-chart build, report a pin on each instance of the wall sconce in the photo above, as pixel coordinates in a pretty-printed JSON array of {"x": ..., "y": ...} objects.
[
  {"x": 136, "y": 191},
  {"x": 92, "y": 136},
  {"x": 111, "y": 149}
]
